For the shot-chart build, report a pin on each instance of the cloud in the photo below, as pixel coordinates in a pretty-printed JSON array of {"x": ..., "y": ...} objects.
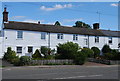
[
  {"x": 72, "y": 20},
  {"x": 17, "y": 17},
  {"x": 56, "y": 7},
  {"x": 114, "y": 4},
  {"x": 33, "y": 21}
]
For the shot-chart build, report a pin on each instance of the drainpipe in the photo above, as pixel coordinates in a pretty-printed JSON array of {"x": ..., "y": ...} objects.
[
  {"x": 88, "y": 42},
  {"x": 48, "y": 39}
]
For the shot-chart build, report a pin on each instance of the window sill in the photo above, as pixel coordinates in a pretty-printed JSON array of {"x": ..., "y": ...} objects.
[{"x": 19, "y": 39}]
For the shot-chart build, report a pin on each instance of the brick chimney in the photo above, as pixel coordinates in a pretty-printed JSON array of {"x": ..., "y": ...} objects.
[
  {"x": 5, "y": 15},
  {"x": 96, "y": 26}
]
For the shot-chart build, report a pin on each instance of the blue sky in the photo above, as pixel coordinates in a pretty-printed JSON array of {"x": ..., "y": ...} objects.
[{"x": 67, "y": 13}]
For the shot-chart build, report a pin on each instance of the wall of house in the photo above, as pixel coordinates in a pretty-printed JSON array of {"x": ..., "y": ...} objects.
[
  {"x": 33, "y": 38},
  {"x": 1, "y": 54}
]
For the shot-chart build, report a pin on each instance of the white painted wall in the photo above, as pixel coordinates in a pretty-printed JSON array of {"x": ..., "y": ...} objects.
[
  {"x": 33, "y": 38},
  {"x": 1, "y": 54}
]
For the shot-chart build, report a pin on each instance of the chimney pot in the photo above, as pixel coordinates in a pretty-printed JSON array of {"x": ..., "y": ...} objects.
[
  {"x": 38, "y": 22},
  {"x": 96, "y": 26}
]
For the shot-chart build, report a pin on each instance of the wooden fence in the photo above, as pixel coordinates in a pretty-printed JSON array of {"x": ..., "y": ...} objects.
[
  {"x": 103, "y": 61},
  {"x": 45, "y": 62}
]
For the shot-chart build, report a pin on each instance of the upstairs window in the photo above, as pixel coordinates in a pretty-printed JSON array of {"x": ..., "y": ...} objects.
[
  {"x": 110, "y": 40},
  {"x": 86, "y": 41},
  {"x": 60, "y": 36},
  {"x": 19, "y": 34},
  {"x": 19, "y": 49},
  {"x": 43, "y": 35},
  {"x": 75, "y": 37},
  {"x": 96, "y": 39}
]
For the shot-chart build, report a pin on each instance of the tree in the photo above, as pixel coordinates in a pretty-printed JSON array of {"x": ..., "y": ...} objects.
[
  {"x": 106, "y": 49},
  {"x": 88, "y": 52},
  {"x": 96, "y": 51},
  {"x": 10, "y": 55},
  {"x": 81, "y": 24},
  {"x": 57, "y": 23},
  {"x": 67, "y": 50},
  {"x": 36, "y": 54}
]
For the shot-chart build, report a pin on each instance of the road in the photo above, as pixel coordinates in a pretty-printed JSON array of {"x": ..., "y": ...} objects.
[{"x": 62, "y": 72}]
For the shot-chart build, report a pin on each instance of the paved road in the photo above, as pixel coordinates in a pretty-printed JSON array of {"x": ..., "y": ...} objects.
[{"x": 62, "y": 72}]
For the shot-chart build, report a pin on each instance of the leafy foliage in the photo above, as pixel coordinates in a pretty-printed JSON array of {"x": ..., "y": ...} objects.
[
  {"x": 81, "y": 24},
  {"x": 67, "y": 50},
  {"x": 80, "y": 58},
  {"x": 106, "y": 49},
  {"x": 10, "y": 55},
  {"x": 36, "y": 54},
  {"x": 96, "y": 51},
  {"x": 88, "y": 52},
  {"x": 24, "y": 60}
]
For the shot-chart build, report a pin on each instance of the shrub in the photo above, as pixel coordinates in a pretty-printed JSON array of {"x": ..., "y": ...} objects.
[
  {"x": 36, "y": 54},
  {"x": 80, "y": 58},
  {"x": 88, "y": 52},
  {"x": 45, "y": 50},
  {"x": 24, "y": 60},
  {"x": 106, "y": 49},
  {"x": 16, "y": 62},
  {"x": 10, "y": 55},
  {"x": 96, "y": 51},
  {"x": 67, "y": 50}
]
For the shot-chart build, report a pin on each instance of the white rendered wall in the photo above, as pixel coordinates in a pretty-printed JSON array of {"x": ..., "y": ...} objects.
[{"x": 33, "y": 38}]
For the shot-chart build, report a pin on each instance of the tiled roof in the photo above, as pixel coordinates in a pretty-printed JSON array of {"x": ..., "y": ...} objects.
[{"x": 58, "y": 29}]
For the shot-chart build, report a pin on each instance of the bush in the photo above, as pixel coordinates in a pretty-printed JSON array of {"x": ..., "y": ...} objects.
[
  {"x": 88, "y": 52},
  {"x": 46, "y": 51},
  {"x": 96, "y": 51},
  {"x": 106, "y": 49},
  {"x": 67, "y": 50},
  {"x": 10, "y": 55},
  {"x": 80, "y": 58},
  {"x": 36, "y": 54},
  {"x": 16, "y": 62},
  {"x": 24, "y": 60}
]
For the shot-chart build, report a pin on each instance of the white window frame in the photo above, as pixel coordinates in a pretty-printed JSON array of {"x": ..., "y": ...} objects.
[
  {"x": 19, "y": 50},
  {"x": 43, "y": 35},
  {"x": 75, "y": 37},
  {"x": 110, "y": 40},
  {"x": 19, "y": 34},
  {"x": 59, "y": 36},
  {"x": 96, "y": 39}
]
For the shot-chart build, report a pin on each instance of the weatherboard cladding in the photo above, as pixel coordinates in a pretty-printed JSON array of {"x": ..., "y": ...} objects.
[{"x": 58, "y": 29}]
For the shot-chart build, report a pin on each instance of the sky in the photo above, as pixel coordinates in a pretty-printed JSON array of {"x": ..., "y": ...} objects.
[{"x": 67, "y": 13}]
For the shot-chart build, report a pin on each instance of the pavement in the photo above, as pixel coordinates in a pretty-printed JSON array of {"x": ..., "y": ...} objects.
[{"x": 87, "y": 71}]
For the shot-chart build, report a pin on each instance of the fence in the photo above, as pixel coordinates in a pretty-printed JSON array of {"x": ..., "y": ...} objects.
[
  {"x": 103, "y": 61},
  {"x": 44, "y": 62}
]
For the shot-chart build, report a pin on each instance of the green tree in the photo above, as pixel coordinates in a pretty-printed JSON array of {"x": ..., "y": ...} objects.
[
  {"x": 67, "y": 50},
  {"x": 57, "y": 23},
  {"x": 81, "y": 24},
  {"x": 88, "y": 52},
  {"x": 10, "y": 55},
  {"x": 106, "y": 49},
  {"x": 96, "y": 51},
  {"x": 36, "y": 54},
  {"x": 80, "y": 58}
]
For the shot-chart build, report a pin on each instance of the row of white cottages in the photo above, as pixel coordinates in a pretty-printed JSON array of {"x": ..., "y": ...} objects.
[{"x": 24, "y": 38}]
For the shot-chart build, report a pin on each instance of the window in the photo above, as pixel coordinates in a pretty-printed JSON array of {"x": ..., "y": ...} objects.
[
  {"x": 75, "y": 37},
  {"x": 110, "y": 40},
  {"x": 30, "y": 49},
  {"x": 43, "y": 35},
  {"x": 86, "y": 41},
  {"x": 19, "y": 49},
  {"x": 96, "y": 39},
  {"x": 60, "y": 36},
  {"x": 19, "y": 34}
]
